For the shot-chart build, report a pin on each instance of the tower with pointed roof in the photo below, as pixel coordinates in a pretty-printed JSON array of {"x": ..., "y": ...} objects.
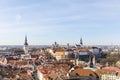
[
  {"x": 26, "y": 47},
  {"x": 81, "y": 42}
]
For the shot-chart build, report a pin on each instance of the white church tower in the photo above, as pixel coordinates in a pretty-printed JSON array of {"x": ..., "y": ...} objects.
[{"x": 26, "y": 47}]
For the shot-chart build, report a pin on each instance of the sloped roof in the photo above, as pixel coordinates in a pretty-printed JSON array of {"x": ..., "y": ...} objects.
[
  {"x": 104, "y": 71},
  {"x": 16, "y": 62},
  {"x": 111, "y": 68},
  {"x": 60, "y": 50},
  {"x": 83, "y": 72},
  {"x": 82, "y": 50},
  {"x": 59, "y": 53}
]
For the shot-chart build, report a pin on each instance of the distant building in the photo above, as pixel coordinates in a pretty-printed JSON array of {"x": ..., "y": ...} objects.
[
  {"x": 69, "y": 53},
  {"x": 26, "y": 49},
  {"x": 82, "y": 54},
  {"x": 79, "y": 45},
  {"x": 96, "y": 51},
  {"x": 55, "y": 45},
  {"x": 60, "y": 53},
  {"x": 83, "y": 74},
  {"x": 51, "y": 51},
  {"x": 3, "y": 61},
  {"x": 109, "y": 73}
]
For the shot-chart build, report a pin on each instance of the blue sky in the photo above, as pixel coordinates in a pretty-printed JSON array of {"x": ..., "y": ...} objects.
[{"x": 64, "y": 21}]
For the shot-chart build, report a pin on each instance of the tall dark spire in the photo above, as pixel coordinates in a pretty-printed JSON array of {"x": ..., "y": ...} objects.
[
  {"x": 81, "y": 42},
  {"x": 25, "y": 41}
]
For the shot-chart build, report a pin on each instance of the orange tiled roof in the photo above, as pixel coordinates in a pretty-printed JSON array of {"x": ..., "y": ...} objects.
[
  {"x": 81, "y": 50},
  {"x": 59, "y": 54},
  {"x": 82, "y": 72},
  {"x": 53, "y": 75},
  {"x": 25, "y": 75},
  {"x": 111, "y": 68},
  {"x": 104, "y": 71},
  {"x": 12, "y": 62},
  {"x": 60, "y": 50},
  {"x": 44, "y": 70}
]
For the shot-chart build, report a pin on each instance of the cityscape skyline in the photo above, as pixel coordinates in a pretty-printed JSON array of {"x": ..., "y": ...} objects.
[{"x": 63, "y": 21}]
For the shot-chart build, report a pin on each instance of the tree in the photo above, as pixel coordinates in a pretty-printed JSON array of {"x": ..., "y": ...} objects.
[{"x": 110, "y": 58}]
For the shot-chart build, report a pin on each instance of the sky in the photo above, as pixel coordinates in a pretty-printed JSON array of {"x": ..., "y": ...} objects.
[{"x": 97, "y": 22}]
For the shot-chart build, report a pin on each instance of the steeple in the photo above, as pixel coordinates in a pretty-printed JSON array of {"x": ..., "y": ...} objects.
[
  {"x": 68, "y": 46},
  {"x": 26, "y": 47},
  {"x": 25, "y": 41},
  {"x": 26, "y": 50},
  {"x": 81, "y": 42}
]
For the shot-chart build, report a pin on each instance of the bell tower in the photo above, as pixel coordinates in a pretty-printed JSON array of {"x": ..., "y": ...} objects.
[{"x": 25, "y": 47}]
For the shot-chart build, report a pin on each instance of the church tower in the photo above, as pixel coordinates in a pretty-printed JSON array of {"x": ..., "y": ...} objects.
[
  {"x": 81, "y": 42},
  {"x": 26, "y": 48}
]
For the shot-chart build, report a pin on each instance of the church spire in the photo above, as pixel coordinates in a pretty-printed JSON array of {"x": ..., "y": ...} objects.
[
  {"x": 26, "y": 40},
  {"x": 81, "y": 42},
  {"x": 26, "y": 47}
]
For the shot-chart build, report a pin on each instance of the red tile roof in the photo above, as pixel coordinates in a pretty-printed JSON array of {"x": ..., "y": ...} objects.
[
  {"x": 83, "y": 72},
  {"x": 112, "y": 68}
]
